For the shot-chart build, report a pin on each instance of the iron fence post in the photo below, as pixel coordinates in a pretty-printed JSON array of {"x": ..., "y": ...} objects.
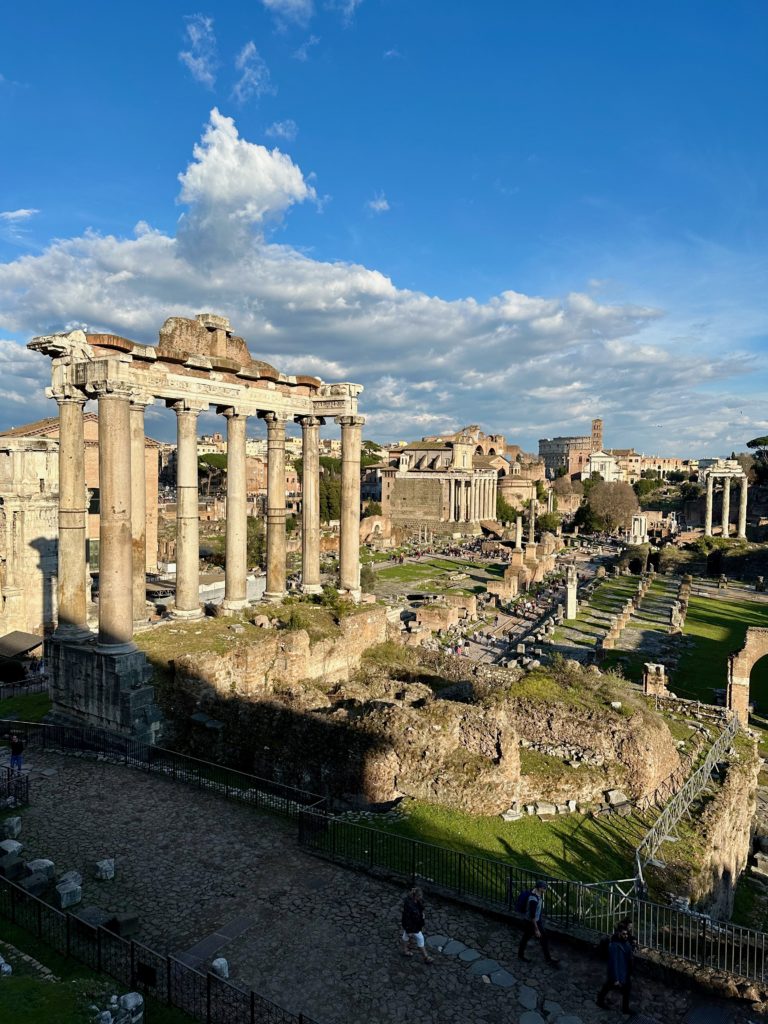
[
  {"x": 39, "y": 919},
  {"x": 208, "y": 998},
  {"x": 69, "y": 934},
  {"x": 253, "y": 1008},
  {"x": 98, "y": 949},
  {"x": 168, "y": 996}
]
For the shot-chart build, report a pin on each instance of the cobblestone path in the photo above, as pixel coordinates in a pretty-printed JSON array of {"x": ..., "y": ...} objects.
[{"x": 311, "y": 936}]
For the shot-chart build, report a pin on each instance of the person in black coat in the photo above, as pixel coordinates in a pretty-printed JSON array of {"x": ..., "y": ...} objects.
[
  {"x": 620, "y": 952},
  {"x": 412, "y": 920}
]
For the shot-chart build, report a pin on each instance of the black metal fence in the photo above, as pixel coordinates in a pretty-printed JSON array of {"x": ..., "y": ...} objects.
[
  {"x": 23, "y": 687},
  {"x": 206, "y": 997},
  {"x": 263, "y": 794},
  {"x": 590, "y": 908},
  {"x": 14, "y": 784}
]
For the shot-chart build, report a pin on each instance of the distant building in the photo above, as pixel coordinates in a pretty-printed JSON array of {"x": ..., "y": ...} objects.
[
  {"x": 570, "y": 454},
  {"x": 606, "y": 465}
]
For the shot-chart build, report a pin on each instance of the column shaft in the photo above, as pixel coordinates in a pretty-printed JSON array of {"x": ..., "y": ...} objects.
[
  {"x": 349, "y": 542},
  {"x": 187, "y": 516},
  {"x": 236, "y": 564},
  {"x": 310, "y": 505},
  {"x": 743, "y": 509},
  {"x": 708, "y": 506},
  {"x": 532, "y": 522},
  {"x": 451, "y": 500},
  {"x": 73, "y": 522},
  {"x": 275, "y": 508},
  {"x": 138, "y": 512},
  {"x": 726, "y": 506},
  {"x": 115, "y": 557}
]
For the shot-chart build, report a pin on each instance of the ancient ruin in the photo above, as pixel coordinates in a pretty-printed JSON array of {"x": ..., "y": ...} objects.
[
  {"x": 102, "y": 680},
  {"x": 726, "y": 470}
]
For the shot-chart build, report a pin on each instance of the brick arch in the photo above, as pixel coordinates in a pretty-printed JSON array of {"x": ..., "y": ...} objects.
[{"x": 740, "y": 665}]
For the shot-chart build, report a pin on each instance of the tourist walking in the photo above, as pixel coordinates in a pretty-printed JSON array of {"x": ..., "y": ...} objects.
[
  {"x": 412, "y": 920},
  {"x": 620, "y": 952},
  {"x": 534, "y": 926},
  {"x": 17, "y": 749}
]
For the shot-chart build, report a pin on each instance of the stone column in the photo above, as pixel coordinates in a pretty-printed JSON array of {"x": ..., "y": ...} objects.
[
  {"x": 532, "y": 522},
  {"x": 519, "y": 533},
  {"x": 275, "y": 507},
  {"x": 742, "y": 533},
  {"x": 236, "y": 563},
  {"x": 494, "y": 495},
  {"x": 139, "y": 507},
  {"x": 349, "y": 545},
  {"x": 187, "y": 605},
  {"x": 726, "y": 506},
  {"x": 708, "y": 506},
  {"x": 473, "y": 496},
  {"x": 450, "y": 499},
  {"x": 115, "y": 554},
  {"x": 310, "y": 505},
  {"x": 73, "y": 522},
  {"x": 571, "y": 590}
]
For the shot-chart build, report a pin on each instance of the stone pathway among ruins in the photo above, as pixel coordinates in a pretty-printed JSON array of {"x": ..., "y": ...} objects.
[{"x": 209, "y": 878}]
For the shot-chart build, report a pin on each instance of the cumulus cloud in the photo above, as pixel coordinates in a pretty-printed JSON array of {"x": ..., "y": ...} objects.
[
  {"x": 14, "y": 216},
  {"x": 530, "y": 366},
  {"x": 379, "y": 203},
  {"x": 297, "y": 11},
  {"x": 346, "y": 8},
  {"x": 287, "y": 130},
  {"x": 200, "y": 56},
  {"x": 254, "y": 79}
]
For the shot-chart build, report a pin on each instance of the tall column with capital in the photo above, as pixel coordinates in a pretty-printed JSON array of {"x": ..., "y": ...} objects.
[
  {"x": 236, "y": 564},
  {"x": 139, "y": 507},
  {"x": 73, "y": 522},
  {"x": 726, "y": 506},
  {"x": 187, "y": 604},
  {"x": 532, "y": 522},
  {"x": 708, "y": 506},
  {"x": 742, "y": 534},
  {"x": 349, "y": 541},
  {"x": 275, "y": 507},
  {"x": 115, "y": 541},
  {"x": 310, "y": 505}
]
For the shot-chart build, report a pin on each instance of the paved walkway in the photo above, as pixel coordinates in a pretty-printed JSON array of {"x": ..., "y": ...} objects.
[{"x": 212, "y": 878}]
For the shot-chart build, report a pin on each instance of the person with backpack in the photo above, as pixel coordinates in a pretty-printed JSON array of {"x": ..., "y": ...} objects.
[
  {"x": 620, "y": 953},
  {"x": 533, "y": 901},
  {"x": 412, "y": 920}
]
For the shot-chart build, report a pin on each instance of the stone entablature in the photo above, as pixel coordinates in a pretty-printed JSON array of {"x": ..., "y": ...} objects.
[{"x": 196, "y": 363}]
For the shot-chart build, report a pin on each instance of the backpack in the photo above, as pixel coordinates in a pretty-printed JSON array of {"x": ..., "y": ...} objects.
[{"x": 521, "y": 903}]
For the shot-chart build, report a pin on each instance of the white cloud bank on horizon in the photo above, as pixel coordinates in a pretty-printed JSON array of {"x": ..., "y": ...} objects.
[{"x": 528, "y": 366}]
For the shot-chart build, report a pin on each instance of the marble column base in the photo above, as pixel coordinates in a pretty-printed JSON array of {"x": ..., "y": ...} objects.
[
  {"x": 311, "y": 588},
  {"x": 353, "y": 595},
  {"x": 274, "y": 597},
  {"x": 70, "y": 633},
  {"x": 116, "y": 649},
  {"x": 184, "y": 613},
  {"x": 235, "y": 606}
]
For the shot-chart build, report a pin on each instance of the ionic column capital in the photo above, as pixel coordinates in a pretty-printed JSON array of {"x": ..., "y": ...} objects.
[
  {"x": 350, "y": 421},
  {"x": 141, "y": 399},
  {"x": 273, "y": 416},
  {"x": 68, "y": 397},
  {"x": 117, "y": 389},
  {"x": 231, "y": 412},
  {"x": 181, "y": 405},
  {"x": 310, "y": 421}
]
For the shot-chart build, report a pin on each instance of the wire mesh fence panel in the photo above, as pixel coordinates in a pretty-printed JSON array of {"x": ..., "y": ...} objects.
[
  {"x": 114, "y": 956},
  {"x": 149, "y": 972},
  {"x": 188, "y": 989},
  {"x": 227, "y": 1004}
]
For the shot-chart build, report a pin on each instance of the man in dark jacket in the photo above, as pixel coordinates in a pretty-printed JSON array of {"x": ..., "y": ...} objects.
[
  {"x": 17, "y": 749},
  {"x": 534, "y": 924},
  {"x": 619, "y": 969},
  {"x": 412, "y": 921}
]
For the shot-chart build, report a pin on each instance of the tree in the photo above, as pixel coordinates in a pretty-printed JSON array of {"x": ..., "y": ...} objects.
[
  {"x": 505, "y": 513},
  {"x": 613, "y": 504},
  {"x": 212, "y": 469},
  {"x": 561, "y": 471},
  {"x": 373, "y": 509},
  {"x": 589, "y": 483},
  {"x": 367, "y": 578},
  {"x": 563, "y": 487},
  {"x": 548, "y": 522},
  {"x": 645, "y": 486},
  {"x": 256, "y": 542},
  {"x": 690, "y": 491},
  {"x": 586, "y": 520}
]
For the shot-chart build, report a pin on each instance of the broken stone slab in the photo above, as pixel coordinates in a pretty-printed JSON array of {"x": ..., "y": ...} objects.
[
  {"x": 572, "y": 804},
  {"x": 545, "y": 809},
  {"x": 532, "y": 1017},
  {"x": 527, "y": 997},
  {"x": 623, "y": 810},
  {"x": 10, "y": 828},
  {"x": 469, "y": 955},
  {"x": 10, "y": 846},
  {"x": 41, "y": 866},
  {"x": 69, "y": 894},
  {"x": 615, "y": 796},
  {"x": 437, "y": 942},
  {"x": 551, "y": 1008},
  {"x": 220, "y": 967},
  {"x": 512, "y": 815},
  {"x": 71, "y": 876},
  {"x": 104, "y": 870},
  {"x": 454, "y": 947},
  {"x": 483, "y": 966}
]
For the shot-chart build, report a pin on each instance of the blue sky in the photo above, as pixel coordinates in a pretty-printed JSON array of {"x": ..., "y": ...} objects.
[{"x": 521, "y": 215}]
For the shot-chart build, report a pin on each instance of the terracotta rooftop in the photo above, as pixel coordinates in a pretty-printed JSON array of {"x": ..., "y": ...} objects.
[{"x": 50, "y": 426}]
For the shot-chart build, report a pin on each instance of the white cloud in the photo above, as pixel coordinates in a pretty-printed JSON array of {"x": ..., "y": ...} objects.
[
  {"x": 14, "y": 216},
  {"x": 346, "y": 8},
  {"x": 254, "y": 77},
  {"x": 530, "y": 366},
  {"x": 287, "y": 130},
  {"x": 302, "y": 53},
  {"x": 393, "y": 54},
  {"x": 379, "y": 203},
  {"x": 298, "y": 11},
  {"x": 200, "y": 57}
]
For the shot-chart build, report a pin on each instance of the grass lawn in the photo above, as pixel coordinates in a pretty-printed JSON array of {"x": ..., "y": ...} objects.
[
  {"x": 29, "y": 707},
  {"x": 717, "y": 628},
  {"x": 568, "y": 846}
]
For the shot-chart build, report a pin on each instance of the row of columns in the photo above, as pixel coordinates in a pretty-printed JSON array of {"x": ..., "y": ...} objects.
[
  {"x": 471, "y": 499},
  {"x": 726, "y": 528},
  {"x": 122, "y": 558}
]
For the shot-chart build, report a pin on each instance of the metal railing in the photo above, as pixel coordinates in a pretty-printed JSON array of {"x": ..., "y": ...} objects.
[
  {"x": 204, "y": 996},
  {"x": 692, "y": 788},
  {"x": 14, "y": 784},
  {"x": 263, "y": 794},
  {"x": 8, "y": 690},
  {"x": 591, "y": 909}
]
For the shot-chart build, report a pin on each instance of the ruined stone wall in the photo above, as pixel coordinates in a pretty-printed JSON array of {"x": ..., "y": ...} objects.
[
  {"x": 286, "y": 656},
  {"x": 417, "y": 499}
]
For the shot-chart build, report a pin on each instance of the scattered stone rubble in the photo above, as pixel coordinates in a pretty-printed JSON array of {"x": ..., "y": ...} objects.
[{"x": 126, "y": 1009}]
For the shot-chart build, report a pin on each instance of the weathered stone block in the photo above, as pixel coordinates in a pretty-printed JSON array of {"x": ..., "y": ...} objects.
[
  {"x": 10, "y": 846},
  {"x": 12, "y": 867},
  {"x": 71, "y": 876},
  {"x": 93, "y": 916},
  {"x": 41, "y": 866},
  {"x": 220, "y": 967},
  {"x": 123, "y": 924},
  {"x": 35, "y": 885},
  {"x": 10, "y": 828},
  {"x": 104, "y": 870},
  {"x": 615, "y": 796},
  {"x": 69, "y": 894},
  {"x": 545, "y": 809}
]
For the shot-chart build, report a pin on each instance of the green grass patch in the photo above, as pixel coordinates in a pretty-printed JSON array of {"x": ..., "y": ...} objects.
[{"x": 29, "y": 707}]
